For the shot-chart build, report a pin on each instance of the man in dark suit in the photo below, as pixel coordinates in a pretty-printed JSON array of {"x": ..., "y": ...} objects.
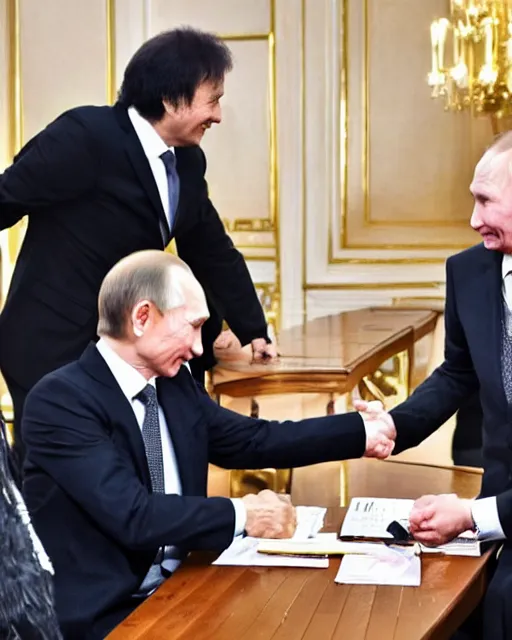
[
  {"x": 118, "y": 445},
  {"x": 102, "y": 182},
  {"x": 478, "y": 356}
]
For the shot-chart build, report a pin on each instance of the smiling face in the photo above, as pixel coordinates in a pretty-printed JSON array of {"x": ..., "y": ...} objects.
[
  {"x": 492, "y": 191},
  {"x": 185, "y": 124},
  {"x": 166, "y": 339}
]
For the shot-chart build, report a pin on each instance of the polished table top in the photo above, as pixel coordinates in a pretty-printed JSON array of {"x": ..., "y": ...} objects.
[
  {"x": 336, "y": 350},
  {"x": 202, "y": 601}
]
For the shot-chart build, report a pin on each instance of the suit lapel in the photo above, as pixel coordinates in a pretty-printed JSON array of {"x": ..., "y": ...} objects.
[
  {"x": 489, "y": 284},
  {"x": 142, "y": 169},
  {"x": 122, "y": 412},
  {"x": 171, "y": 401}
]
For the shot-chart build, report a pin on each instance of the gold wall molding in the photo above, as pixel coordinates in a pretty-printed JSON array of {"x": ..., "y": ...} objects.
[
  {"x": 263, "y": 225},
  {"x": 343, "y": 155},
  {"x": 111, "y": 88},
  {"x": 335, "y": 286},
  {"x": 15, "y": 92}
]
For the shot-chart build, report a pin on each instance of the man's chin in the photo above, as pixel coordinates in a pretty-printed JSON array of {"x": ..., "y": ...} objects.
[
  {"x": 175, "y": 368},
  {"x": 492, "y": 242}
]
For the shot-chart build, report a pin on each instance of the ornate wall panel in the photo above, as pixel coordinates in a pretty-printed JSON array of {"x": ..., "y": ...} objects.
[
  {"x": 387, "y": 170},
  {"x": 409, "y": 163}
]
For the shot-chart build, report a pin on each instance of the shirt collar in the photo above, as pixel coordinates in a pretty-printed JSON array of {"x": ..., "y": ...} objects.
[
  {"x": 151, "y": 142},
  {"x": 127, "y": 377},
  {"x": 506, "y": 264}
]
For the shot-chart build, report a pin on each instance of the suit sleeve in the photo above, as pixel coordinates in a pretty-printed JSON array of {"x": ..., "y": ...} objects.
[
  {"x": 446, "y": 389},
  {"x": 240, "y": 442},
  {"x": 222, "y": 270},
  {"x": 66, "y": 434},
  {"x": 59, "y": 164}
]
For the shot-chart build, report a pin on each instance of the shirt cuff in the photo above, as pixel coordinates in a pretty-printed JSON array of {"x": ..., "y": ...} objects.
[
  {"x": 240, "y": 516},
  {"x": 486, "y": 518}
]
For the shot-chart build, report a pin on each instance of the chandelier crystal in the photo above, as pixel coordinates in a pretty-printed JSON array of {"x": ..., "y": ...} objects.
[{"x": 472, "y": 57}]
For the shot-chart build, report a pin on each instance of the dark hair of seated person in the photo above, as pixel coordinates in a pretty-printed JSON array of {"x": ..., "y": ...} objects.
[{"x": 26, "y": 592}]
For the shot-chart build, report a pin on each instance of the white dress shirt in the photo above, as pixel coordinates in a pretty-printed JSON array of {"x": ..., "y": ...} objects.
[
  {"x": 153, "y": 146},
  {"x": 485, "y": 510},
  {"x": 131, "y": 383}
]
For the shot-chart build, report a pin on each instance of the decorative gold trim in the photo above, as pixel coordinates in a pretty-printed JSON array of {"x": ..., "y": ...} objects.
[
  {"x": 389, "y": 260},
  {"x": 366, "y": 114},
  {"x": 265, "y": 225},
  {"x": 343, "y": 135},
  {"x": 242, "y": 37},
  {"x": 327, "y": 286},
  {"x": 252, "y": 225},
  {"x": 15, "y": 87},
  {"x": 252, "y": 258},
  {"x": 259, "y": 225},
  {"x": 274, "y": 183},
  {"x": 304, "y": 155},
  {"x": 111, "y": 51},
  {"x": 15, "y": 92},
  {"x": 270, "y": 301}
]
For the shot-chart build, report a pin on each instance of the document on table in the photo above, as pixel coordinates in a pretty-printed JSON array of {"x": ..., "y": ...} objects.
[
  {"x": 397, "y": 566},
  {"x": 369, "y": 518},
  {"x": 244, "y": 551}
]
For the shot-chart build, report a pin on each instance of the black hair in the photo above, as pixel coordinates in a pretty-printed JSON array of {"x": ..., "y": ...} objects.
[
  {"x": 26, "y": 590},
  {"x": 170, "y": 67}
]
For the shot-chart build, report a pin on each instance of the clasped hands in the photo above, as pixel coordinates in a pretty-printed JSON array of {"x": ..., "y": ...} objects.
[{"x": 379, "y": 427}]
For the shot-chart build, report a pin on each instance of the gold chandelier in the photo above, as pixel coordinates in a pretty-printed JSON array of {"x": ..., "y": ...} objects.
[{"x": 472, "y": 57}]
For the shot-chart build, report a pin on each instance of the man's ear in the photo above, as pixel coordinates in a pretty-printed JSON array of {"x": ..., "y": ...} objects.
[{"x": 140, "y": 317}]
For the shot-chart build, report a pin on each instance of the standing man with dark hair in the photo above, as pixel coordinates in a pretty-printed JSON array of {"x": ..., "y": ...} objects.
[{"x": 102, "y": 182}]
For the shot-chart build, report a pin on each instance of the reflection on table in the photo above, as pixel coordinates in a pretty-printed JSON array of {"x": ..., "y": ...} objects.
[{"x": 221, "y": 603}]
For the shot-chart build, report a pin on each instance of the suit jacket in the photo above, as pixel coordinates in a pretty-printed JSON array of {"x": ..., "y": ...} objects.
[
  {"x": 91, "y": 199},
  {"x": 473, "y": 348},
  {"x": 87, "y": 483}
]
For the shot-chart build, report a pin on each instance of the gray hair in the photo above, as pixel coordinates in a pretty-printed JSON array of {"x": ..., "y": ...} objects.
[{"x": 156, "y": 276}]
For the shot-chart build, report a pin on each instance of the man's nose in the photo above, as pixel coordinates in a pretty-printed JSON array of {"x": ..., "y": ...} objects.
[
  {"x": 217, "y": 115},
  {"x": 197, "y": 345},
  {"x": 476, "y": 219}
]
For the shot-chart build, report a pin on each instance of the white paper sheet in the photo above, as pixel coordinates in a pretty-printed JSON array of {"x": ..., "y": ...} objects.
[
  {"x": 369, "y": 518},
  {"x": 394, "y": 567},
  {"x": 244, "y": 552}
]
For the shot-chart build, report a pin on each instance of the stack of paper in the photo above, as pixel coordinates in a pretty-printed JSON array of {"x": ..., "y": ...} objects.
[
  {"x": 244, "y": 551},
  {"x": 368, "y": 518},
  {"x": 395, "y": 566}
]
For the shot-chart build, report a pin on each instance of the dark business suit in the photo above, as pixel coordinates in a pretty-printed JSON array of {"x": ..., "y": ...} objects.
[
  {"x": 91, "y": 199},
  {"x": 473, "y": 317},
  {"x": 87, "y": 483}
]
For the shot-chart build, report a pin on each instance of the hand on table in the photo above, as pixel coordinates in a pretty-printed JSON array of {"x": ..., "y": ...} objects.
[
  {"x": 269, "y": 515},
  {"x": 263, "y": 352},
  {"x": 438, "y": 519}
]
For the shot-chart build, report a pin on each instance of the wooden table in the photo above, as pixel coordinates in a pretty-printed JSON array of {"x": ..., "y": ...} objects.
[
  {"x": 330, "y": 354},
  {"x": 201, "y": 601}
]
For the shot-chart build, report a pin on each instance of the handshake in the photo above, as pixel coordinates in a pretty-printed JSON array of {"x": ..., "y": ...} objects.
[{"x": 379, "y": 427}]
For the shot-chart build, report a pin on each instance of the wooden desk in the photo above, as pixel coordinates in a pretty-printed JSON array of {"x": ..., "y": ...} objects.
[
  {"x": 330, "y": 354},
  {"x": 222, "y": 603}
]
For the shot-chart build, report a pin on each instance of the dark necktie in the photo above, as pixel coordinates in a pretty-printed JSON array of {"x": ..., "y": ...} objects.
[
  {"x": 173, "y": 181},
  {"x": 152, "y": 438}
]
